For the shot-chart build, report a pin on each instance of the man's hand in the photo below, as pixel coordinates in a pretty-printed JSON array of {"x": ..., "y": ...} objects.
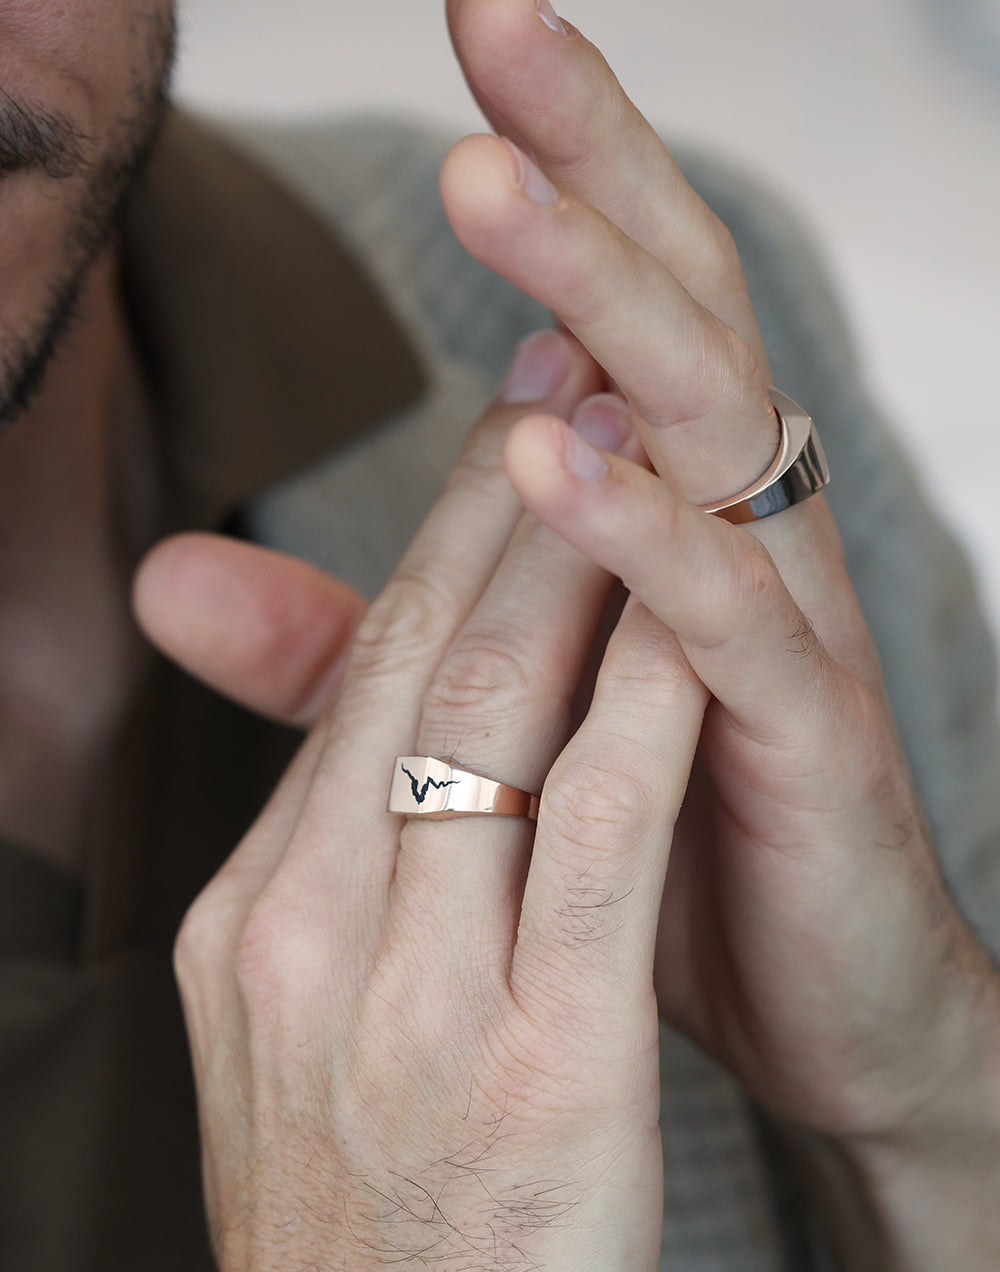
[
  {"x": 806, "y": 938},
  {"x": 437, "y": 1040}
]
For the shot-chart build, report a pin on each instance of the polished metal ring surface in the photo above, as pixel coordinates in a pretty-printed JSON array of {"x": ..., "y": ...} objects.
[
  {"x": 425, "y": 787},
  {"x": 798, "y": 471}
]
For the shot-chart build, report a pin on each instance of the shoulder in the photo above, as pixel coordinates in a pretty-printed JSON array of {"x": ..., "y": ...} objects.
[{"x": 375, "y": 180}]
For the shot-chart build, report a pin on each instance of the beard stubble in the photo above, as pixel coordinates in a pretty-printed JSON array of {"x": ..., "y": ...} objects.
[{"x": 25, "y": 356}]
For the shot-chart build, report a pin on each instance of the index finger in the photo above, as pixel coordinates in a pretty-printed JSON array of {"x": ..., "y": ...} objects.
[
  {"x": 692, "y": 381},
  {"x": 544, "y": 85}
]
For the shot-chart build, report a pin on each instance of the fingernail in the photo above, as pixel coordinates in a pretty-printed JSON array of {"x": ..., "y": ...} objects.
[
  {"x": 550, "y": 17},
  {"x": 582, "y": 460},
  {"x": 531, "y": 179},
  {"x": 604, "y": 421},
  {"x": 540, "y": 365}
]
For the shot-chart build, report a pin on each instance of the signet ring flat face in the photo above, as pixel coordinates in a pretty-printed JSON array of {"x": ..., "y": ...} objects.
[{"x": 425, "y": 787}]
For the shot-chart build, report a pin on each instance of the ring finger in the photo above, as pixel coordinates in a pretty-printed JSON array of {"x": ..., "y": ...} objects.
[
  {"x": 396, "y": 649},
  {"x": 499, "y": 705}
]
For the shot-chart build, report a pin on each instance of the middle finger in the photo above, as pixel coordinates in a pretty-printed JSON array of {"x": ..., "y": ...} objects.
[
  {"x": 699, "y": 387},
  {"x": 554, "y": 94}
]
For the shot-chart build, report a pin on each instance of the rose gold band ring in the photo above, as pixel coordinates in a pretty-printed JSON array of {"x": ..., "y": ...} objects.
[
  {"x": 798, "y": 471},
  {"x": 425, "y": 787}
]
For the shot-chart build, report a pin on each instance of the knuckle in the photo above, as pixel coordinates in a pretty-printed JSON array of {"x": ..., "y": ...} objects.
[
  {"x": 478, "y": 680},
  {"x": 746, "y": 370},
  {"x": 593, "y": 808},
  {"x": 749, "y": 585},
  {"x": 754, "y": 578},
  {"x": 714, "y": 267},
  {"x": 757, "y": 592},
  {"x": 597, "y": 108},
  {"x": 479, "y": 465},
  {"x": 672, "y": 524},
  {"x": 207, "y": 935},
  {"x": 722, "y": 372},
  {"x": 275, "y": 958},
  {"x": 721, "y": 258},
  {"x": 722, "y": 242},
  {"x": 196, "y": 946},
  {"x": 647, "y": 670},
  {"x": 879, "y": 767},
  {"x": 731, "y": 372},
  {"x": 202, "y": 956},
  {"x": 401, "y": 623},
  {"x": 711, "y": 267}
]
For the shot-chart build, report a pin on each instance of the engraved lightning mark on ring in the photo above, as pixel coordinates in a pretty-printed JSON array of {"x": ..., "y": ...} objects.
[{"x": 420, "y": 792}]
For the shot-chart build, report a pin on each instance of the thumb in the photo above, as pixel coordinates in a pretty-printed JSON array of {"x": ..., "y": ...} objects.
[{"x": 264, "y": 629}]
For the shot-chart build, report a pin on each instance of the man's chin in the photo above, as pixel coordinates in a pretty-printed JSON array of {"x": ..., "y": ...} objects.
[{"x": 26, "y": 360}]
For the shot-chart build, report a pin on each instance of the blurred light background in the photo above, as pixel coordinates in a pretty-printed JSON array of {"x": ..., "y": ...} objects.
[{"x": 878, "y": 119}]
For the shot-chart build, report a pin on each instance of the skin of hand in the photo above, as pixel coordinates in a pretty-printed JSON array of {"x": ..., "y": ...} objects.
[
  {"x": 438, "y": 1040},
  {"x": 806, "y": 938}
]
